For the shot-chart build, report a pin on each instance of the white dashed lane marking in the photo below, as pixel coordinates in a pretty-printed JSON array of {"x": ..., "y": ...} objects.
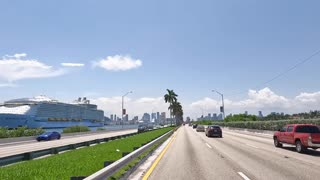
[
  {"x": 208, "y": 146},
  {"x": 243, "y": 176}
]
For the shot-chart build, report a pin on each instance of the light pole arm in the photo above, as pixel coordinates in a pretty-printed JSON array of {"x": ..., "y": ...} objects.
[{"x": 222, "y": 101}]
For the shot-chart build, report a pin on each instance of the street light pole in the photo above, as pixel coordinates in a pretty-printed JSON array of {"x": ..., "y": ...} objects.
[
  {"x": 122, "y": 107},
  {"x": 222, "y": 102}
]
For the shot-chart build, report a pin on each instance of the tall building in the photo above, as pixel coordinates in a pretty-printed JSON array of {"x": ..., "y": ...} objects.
[
  {"x": 214, "y": 116},
  {"x": 158, "y": 117},
  {"x": 153, "y": 117},
  {"x": 111, "y": 117},
  {"x": 136, "y": 119},
  {"x": 163, "y": 118},
  {"x": 188, "y": 120},
  {"x": 146, "y": 117},
  {"x": 220, "y": 117},
  {"x": 260, "y": 114},
  {"x": 246, "y": 112},
  {"x": 126, "y": 117}
]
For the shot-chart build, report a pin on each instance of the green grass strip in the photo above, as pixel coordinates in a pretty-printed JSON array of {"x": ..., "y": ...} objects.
[
  {"x": 81, "y": 162},
  {"x": 121, "y": 172}
]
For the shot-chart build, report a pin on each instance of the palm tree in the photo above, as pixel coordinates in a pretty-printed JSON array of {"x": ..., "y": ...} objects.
[
  {"x": 170, "y": 98},
  {"x": 177, "y": 112}
]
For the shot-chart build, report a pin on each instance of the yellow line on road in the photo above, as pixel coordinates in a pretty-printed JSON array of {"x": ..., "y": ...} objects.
[{"x": 146, "y": 176}]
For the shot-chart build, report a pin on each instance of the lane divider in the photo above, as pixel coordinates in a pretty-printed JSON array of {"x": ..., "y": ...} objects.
[
  {"x": 243, "y": 176},
  {"x": 208, "y": 146},
  {"x": 147, "y": 175}
]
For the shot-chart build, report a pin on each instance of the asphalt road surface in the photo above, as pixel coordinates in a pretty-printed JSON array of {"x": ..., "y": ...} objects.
[
  {"x": 13, "y": 149},
  {"x": 192, "y": 155}
]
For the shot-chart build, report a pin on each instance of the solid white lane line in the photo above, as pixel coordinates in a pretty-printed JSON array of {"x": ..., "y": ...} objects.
[
  {"x": 252, "y": 146},
  {"x": 243, "y": 176},
  {"x": 208, "y": 146}
]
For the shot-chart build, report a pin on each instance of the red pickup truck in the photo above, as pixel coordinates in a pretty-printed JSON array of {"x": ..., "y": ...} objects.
[{"x": 303, "y": 136}]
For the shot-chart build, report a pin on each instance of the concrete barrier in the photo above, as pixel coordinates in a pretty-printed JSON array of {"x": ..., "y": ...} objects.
[{"x": 112, "y": 168}]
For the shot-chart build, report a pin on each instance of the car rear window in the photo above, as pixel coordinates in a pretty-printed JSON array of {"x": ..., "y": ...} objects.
[{"x": 307, "y": 129}]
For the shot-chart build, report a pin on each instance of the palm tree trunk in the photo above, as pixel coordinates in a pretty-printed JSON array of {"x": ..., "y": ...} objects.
[{"x": 171, "y": 117}]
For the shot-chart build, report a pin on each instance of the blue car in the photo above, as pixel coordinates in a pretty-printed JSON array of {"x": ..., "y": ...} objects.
[{"x": 48, "y": 136}]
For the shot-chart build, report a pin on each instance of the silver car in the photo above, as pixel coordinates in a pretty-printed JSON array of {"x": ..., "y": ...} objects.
[{"x": 200, "y": 128}]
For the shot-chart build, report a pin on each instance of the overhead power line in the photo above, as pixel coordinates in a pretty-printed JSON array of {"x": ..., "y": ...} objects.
[{"x": 284, "y": 72}]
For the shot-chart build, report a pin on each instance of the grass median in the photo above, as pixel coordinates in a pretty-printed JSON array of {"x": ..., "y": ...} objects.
[
  {"x": 121, "y": 172},
  {"x": 81, "y": 162}
]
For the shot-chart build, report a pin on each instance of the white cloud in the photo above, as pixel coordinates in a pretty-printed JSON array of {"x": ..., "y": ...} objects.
[
  {"x": 72, "y": 64},
  {"x": 118, "y": 63},
  {"x": 16, "y": 56},
  {"x": 13, "y": 68},
  {"x": 308, "y": 97},
  {"x": 8, "y": 85},
  {"x": 263, "y": 100}
]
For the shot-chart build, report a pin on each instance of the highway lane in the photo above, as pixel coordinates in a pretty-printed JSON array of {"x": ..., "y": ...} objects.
[
  {"x": 192, "y": 155},
  {"x": 189, "y": 157},
  {"x": 13, "y": 149}
]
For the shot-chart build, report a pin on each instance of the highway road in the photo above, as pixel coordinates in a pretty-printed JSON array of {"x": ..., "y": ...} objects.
[
  {"x": 10, "y": 149},
  {"x": 192, "y": 155}
]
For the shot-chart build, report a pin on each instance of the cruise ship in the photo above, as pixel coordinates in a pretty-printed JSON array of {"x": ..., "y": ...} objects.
[{"x": 45, "y": 112}]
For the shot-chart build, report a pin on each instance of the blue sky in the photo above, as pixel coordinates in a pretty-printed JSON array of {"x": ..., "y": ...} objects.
[{"x": 189, "y": 46}]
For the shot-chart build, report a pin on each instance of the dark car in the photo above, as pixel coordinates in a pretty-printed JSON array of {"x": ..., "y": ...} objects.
[
  {"x": 194, "y": 126},
  {"x": 214, "y": 131},
  {"x": 141, "y": 128},
  {"x": 48, "y": 136}
]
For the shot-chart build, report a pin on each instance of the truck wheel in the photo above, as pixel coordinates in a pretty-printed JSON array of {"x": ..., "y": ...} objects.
[
  {"x": 276, "y": 142},
  {"x": 300, "y": 147}
]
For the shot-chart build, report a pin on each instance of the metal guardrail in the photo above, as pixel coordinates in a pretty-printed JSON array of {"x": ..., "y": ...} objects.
[
  {"x": 112, "y": 168},
  {"x": 55, "y": 150}
]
